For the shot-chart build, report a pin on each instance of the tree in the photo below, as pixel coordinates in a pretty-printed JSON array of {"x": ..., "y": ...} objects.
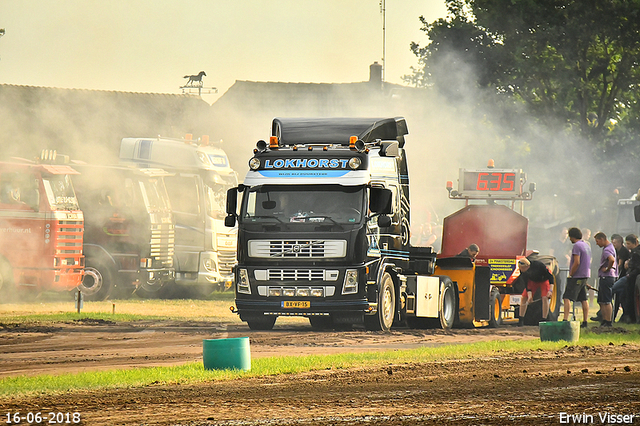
[
  {"x": 561, "y": 79},
  {"x": 576, "y": 61}
]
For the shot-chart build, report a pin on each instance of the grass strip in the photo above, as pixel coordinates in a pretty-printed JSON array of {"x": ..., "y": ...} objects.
[
  {"x": 194, "y": 372},
  {"x": 123, "y": 310}
]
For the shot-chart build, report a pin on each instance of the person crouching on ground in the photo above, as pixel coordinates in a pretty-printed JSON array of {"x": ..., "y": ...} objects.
[
  {"x": 606, "y": 276},
  {"x": 536, "y": 276}
]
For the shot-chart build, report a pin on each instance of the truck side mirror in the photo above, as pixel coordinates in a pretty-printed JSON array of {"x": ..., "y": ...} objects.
[
  {"x": 380, "y": 201},
  {"x": 232, "y": 201},
  {"x": 636, "y": 213},
  {"x": 384, "y": 221},
  {"x": 230, "y": 221}
]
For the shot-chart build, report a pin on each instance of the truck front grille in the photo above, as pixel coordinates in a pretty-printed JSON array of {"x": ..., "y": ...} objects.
[
  {"x": 296, "y": 274},
  {"x": 226, "y": 260},
  {"x": 68, "y": 243},
  {"x": 322, "y": 249},
  {"x": 162, "y": 244}
]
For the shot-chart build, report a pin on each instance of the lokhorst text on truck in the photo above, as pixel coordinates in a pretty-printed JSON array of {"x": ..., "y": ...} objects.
[
  {"x": 41, "y": 227},
  {"x": 129, "y": 230},
  {"x": 200, "y": 175},
  {"x": 323, "y": 232}
]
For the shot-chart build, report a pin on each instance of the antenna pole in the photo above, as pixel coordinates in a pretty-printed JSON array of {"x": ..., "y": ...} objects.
[{"x": 384, "y": 36}]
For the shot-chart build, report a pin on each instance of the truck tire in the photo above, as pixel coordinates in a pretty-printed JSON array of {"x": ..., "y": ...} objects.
[
  {"x": 98, "y": 281},
  {"x": 495, "y": 308},
  {"x": 148, "y": 291},
  {"x": 383, "y": 319},
  {"x": 448, "y": 304},
  {"x": 261, "y": 323}
]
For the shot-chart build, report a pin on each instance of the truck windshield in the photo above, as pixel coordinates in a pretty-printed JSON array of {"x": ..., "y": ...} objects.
[
  {"x": 155, "y": 194},
  {"x": 60, "y": 192},
  {"x": 216, "y": 198},
  {"x": 304, "y": 204}
]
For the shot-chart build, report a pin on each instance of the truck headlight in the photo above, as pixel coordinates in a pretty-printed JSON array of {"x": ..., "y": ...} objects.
[
  {"x": 243, "y": 282},
  {"x": 209, "y": 265},
  {"x": 254, "y": 164},
  {"x": 350, "y": 285},
  {"x": 354, "y": 163}
]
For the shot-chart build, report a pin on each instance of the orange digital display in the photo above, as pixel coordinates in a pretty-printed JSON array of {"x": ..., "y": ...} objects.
[{"x": 490, "y": 181}]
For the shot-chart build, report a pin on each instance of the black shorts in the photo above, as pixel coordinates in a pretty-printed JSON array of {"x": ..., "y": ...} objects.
[
  {"x": 576, "y": 290},
  {"x": 605, "y": 295}
]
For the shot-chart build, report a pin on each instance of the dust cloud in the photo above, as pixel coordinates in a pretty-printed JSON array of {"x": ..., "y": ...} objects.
[{"x": 460, "y": 127}]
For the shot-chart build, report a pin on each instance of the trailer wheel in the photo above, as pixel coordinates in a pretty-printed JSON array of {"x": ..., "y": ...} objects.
[
  {"x": 495, "y": 308},
  {"x": 97, "y": 282},
  {"x": 383, "y": 319},
  {"x": 261, "y": 323},
  {"x": 448, "y": 304}
]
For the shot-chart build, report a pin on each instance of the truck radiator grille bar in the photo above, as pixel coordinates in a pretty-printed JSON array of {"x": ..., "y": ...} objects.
[
  {"x": 68, "y": 243},
  {"x": 226, "y": 260},
  {"x": 322, "y": 249},
  {"x": 162, "y": 244},
  {"x": 296, "y": 274}
]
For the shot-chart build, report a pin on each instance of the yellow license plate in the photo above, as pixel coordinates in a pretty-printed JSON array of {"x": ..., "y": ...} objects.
[{"x": 296, "y": 304}]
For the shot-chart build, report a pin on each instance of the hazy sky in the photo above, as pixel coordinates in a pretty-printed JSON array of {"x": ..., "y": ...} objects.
[{"x": 149, "y": 45}]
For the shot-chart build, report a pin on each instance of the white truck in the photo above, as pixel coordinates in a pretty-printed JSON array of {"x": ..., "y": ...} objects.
[{"x": 200, "y": 177}]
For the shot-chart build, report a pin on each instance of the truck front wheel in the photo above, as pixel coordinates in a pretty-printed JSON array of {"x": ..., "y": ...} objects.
[
  {"x": 383, "y": 319},
  {"x": 97, "y": 282}
]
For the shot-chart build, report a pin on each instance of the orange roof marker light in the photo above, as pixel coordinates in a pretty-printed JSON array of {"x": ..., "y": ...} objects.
[
  {"x": 188, "y": 138},
  {"x": 352, "y": 142},
  {"x": 273, "y": 142},
  {"x": 491, "y": 164},
  {"x": 204, "y": 140},
  {"x": 357, "y": 144}
]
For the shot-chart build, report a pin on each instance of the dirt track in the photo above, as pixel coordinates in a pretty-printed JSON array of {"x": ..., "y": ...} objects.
[{"x": 531, "y": 388}]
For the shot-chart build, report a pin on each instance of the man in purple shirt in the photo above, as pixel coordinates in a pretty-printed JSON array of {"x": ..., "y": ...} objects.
[
  {"x": 607, "y": 274},
  {"x": 579, "y": 271}
]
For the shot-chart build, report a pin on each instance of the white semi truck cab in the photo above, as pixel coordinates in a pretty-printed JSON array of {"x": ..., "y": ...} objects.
[{"x": 200, "y": 177}]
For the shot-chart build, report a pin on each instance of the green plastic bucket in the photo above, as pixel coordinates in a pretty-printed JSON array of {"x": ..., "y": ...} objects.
[
  {"x": 226, "y": 354},
  {"x": 554, "y": 331}
]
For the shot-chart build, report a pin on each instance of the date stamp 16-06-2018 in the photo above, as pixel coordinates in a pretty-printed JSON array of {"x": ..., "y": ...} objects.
[{"x": 45, "y": 417}]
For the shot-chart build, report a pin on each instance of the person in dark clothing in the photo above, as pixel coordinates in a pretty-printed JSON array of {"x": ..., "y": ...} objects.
[
  {"x": 624, "y": 287},
  {"x": 471, "y": 252},
  {"x": 535, "y": 275},
  {"x": 622, "y": 255}
]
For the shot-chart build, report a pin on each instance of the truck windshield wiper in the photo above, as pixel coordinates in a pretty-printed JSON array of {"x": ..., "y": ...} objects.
[
  {"x": 265, "y": 217},
  {"x": 320, "y": 217}
]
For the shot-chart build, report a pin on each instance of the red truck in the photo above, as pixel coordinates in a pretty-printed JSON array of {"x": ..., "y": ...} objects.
[{"x": 41, "y": 228}]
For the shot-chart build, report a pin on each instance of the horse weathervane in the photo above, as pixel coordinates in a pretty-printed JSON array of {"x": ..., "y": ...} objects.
[{"x": 194, "y": 82}]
